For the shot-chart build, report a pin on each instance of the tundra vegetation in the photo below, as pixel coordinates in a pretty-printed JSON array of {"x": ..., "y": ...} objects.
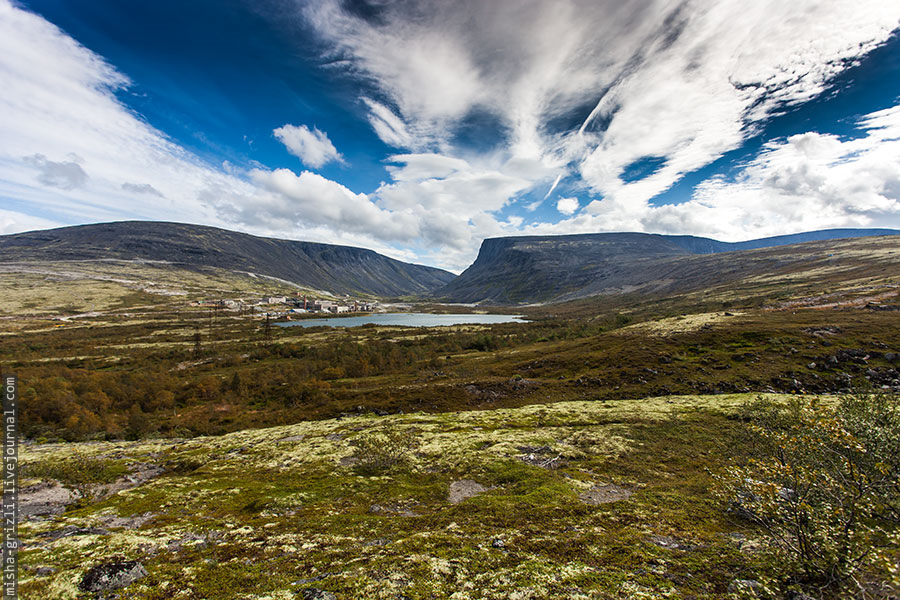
[{"x": 612, "y": 447}]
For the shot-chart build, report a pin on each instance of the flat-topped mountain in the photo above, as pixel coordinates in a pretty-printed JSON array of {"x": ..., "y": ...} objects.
[
  {"x": 548, "y": 268},
  {"x": 327, "y": 267}
]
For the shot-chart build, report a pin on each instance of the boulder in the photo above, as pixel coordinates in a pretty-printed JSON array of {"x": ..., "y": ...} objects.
[{"x": 112, "y": 576}]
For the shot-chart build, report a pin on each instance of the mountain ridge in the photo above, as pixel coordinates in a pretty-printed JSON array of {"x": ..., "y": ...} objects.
[
  {"x": 523, "y": 269},
  {"x": 330, "y": 267}
]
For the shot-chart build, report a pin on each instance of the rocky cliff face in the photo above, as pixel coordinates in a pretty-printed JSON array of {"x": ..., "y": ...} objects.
[
  {"x": 547, "y": 268},
  {"x": 336, "y": 269}
]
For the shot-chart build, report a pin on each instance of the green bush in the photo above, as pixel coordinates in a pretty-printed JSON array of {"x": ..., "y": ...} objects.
[
  {"x": 384, "y": 450},
  {"x": 822, "y": 480}
]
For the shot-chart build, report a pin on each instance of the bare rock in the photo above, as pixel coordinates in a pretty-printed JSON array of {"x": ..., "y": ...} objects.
[
  {"x": 112, "y": 576},
  {"x": 605, "y": 494},
  {"x": 71, "y": 531},
  {"x": 466, "y": 488},
  {"x": 133, "y": 522},
  {"x": 44, "y": 499},
  {"x": 316, "y": 594},
  {"x": 391, "y": 509},
  {"x": 669, "y": 543},
  {"x": 746, "y": 587}
]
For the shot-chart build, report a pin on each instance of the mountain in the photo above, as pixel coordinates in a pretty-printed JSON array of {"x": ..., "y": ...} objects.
[
  {"x": 327, "y": 267},
  {"x": 554, "y": 268}
]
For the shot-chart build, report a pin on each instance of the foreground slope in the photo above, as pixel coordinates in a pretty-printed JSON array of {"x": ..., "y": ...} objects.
[
  {"x": 556, "y": 268},
  {"x": 575, "y": 500},
  {"x": 331, "y": 268}
]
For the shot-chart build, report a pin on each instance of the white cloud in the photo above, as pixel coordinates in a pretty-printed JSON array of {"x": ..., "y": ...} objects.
[
  {"x": 311, "y": 146},
  {"x": 681, "y": 83},
  {"x": 710, "y": 88},
  {"x": 14, "y": 222},
  {"x": 454, "y": 201},
  {"x": 142, "y": 188},
  {"x": 567, "y": 206},
  {"x": 388, "y": 126},
  {"x": 65, "y": 175},
  {"x": 73, "y": 153},
  {"x": 70, "y": 149},
  {"x": 806, "y": 182},
  {"x": 312, "y": 199}
]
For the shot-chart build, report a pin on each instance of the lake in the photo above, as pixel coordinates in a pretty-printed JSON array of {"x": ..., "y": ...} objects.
[{"x": 404, "y": 319}]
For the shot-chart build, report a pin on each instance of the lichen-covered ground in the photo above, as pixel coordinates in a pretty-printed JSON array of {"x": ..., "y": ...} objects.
[{"x": 582, "y": 500}]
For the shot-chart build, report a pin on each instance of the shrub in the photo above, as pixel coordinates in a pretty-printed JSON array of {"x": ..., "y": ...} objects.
[
  {"x": 384, "y": 450},
  {"x": 822, "y": 480}
]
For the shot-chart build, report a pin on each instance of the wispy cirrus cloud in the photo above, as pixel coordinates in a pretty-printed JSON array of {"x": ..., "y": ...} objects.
[
  {"x": 71, "y": 150},
  {"x": 587, "y": 89}
]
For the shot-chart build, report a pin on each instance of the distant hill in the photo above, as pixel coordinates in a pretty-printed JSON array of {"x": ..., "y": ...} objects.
[
  {"x": 554, "y": 268},
  {"x": 326, "y": 267}
]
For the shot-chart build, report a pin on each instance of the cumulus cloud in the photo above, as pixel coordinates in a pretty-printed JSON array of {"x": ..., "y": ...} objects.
[
  {"x": 567, "y": 206},
  {"x": 808, "y": 181},
  {"x": 313, "y": 199},
  {"x": 454, "y": 200},
  {"x": 309, "y": 145},
  {"x": 802, "y": 183}
]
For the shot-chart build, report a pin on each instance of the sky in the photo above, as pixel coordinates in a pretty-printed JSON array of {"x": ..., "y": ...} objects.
[{"x": 417, "y": 128}]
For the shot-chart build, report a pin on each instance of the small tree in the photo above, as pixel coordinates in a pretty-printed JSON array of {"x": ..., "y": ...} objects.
[{"x": 823, "y": 481}]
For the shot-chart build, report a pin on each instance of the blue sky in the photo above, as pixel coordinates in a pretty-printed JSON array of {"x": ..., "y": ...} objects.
[{"x": 420, "y": 127}]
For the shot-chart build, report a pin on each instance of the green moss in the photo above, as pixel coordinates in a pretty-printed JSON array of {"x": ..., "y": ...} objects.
[{"x": 260, "y": 514}]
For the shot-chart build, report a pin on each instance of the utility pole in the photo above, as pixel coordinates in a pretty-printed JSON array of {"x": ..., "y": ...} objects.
[
  {"x": 197, "y": 339},
  {"x": 267, "y": 328}
]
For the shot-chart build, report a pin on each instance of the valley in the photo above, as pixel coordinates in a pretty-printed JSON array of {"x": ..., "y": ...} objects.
[{"x": 577, "y": 454}]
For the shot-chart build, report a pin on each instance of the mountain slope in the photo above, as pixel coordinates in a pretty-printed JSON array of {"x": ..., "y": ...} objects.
[
  {"x": 548, "y": 268},
  {"x": 336, "y": 269}
]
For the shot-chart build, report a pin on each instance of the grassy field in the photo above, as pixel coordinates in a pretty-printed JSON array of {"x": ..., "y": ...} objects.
[{"x": 587, "y": 499}]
